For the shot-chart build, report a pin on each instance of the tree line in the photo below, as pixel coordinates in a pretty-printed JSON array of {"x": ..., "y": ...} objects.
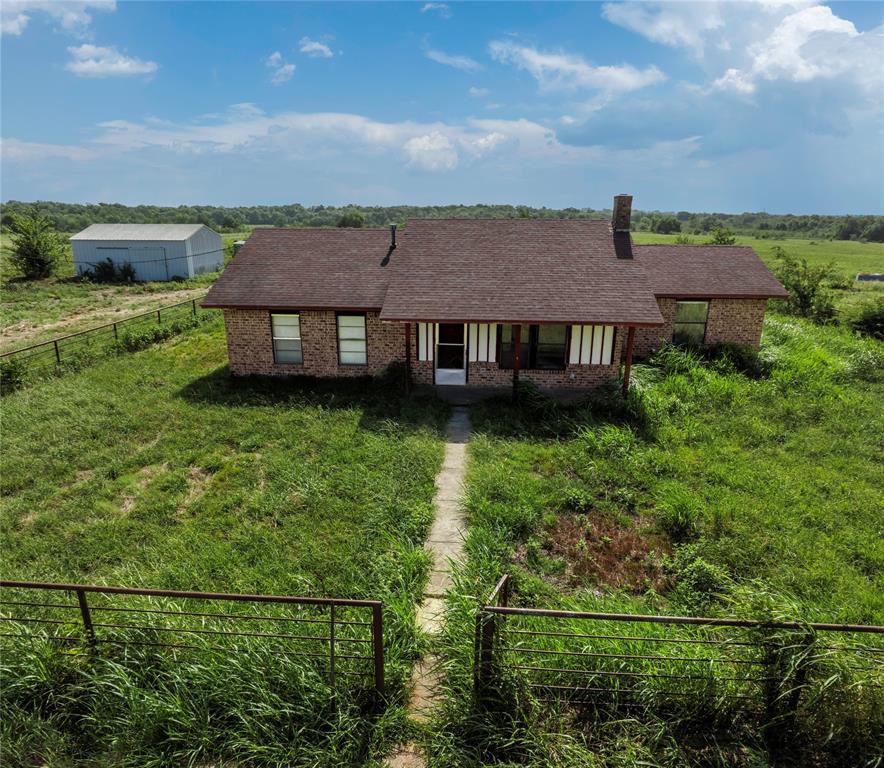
[{"x": 72, "y": 217}]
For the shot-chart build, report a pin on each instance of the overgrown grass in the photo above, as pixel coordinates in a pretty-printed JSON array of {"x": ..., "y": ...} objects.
[
  {"x": 710, "y": 491},
  {"x": 156, "y": 469}
]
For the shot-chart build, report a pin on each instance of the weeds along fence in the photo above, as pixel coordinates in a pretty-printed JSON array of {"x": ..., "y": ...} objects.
[
  {"x": 339, "y": 641},
  {"x": 74, "y": 350},
  {"x": 674, "y": 664}
]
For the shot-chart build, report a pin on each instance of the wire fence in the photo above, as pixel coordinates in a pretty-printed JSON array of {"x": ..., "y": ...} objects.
[
  {"x": 341, "y": 639},
  {"x": 75, "y": 349},
  {"x": 628, "y": 662}
]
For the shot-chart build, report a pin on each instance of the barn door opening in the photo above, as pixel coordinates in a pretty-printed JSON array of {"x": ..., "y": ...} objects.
[{"x": 451, "y": 354}]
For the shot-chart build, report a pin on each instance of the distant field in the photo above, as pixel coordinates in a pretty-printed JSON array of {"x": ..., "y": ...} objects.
[{"x": 37, "y": 310}]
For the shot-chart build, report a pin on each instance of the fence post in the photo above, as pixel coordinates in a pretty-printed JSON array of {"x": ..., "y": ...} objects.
[
  {"x": 331, "y": 646},
  {"x": 116, "y": 337},
  {"x": 377, "y": 641},
  {"x": 486, "y": 627},
  {"x": 86, "y": 615},
  {"x": 57, "y": 353},
  {"x": 789, "y": 660},
  {"x": 159, "y": 318},
  {"x": 193, "y": 302}
]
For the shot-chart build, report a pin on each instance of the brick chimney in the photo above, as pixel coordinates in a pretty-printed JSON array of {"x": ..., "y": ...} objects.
[{"x": 622, "y": 213}]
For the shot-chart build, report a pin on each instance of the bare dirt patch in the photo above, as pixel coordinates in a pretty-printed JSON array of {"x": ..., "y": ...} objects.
[
  {"x": 198, "y": 480},
  {"x": 600, "y": 550}
]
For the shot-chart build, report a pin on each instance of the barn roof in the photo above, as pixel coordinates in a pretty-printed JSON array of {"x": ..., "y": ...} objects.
[
  {"x": 138, "y": 232},
  {"x": 306, "y": 269},
  {"x": 516, "y": 270},
  {"x": 707, "y": 271}
]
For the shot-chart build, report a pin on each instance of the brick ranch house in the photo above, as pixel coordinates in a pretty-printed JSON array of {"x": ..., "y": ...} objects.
[{"x": 561, "y": 303}]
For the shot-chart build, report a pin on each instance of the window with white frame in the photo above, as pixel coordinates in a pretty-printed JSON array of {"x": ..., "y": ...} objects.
[
  {"x": 352, "y": 346},
  {"x": 286, "y": 332}
]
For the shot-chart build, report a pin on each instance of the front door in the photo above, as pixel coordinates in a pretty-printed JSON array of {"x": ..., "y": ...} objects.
[{"x": 450, "y": 354}]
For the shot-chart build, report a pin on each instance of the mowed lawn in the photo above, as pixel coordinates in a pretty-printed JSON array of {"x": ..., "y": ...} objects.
[{"x": 156, "y": 469}]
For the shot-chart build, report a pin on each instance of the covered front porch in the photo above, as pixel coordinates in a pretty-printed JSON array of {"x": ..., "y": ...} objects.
[{"x": 489, "y": 356}]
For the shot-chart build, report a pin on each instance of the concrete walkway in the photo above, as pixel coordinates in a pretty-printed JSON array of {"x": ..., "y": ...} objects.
[{"x": 445, "y": 544}]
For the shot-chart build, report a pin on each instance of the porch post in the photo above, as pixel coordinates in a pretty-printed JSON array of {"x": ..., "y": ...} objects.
[
  {"x": 517, "y": 357},
  {"x": 407, "y": 357},
  {"x": 627, "y": 367}
]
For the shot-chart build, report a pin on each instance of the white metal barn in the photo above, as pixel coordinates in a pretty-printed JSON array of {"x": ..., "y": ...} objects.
[{"x": 156, "y": 251}]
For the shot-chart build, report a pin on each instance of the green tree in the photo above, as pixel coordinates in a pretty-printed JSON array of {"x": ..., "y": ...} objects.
[
  {"x": 351, "y": 219},
  {"x": 809, "y": 294},
  {"x": 874, "y": 232},
  {"x": 36, "y": 246},
  {"x": 664, "y": 225},
  {"x": 722, "y": 236}
]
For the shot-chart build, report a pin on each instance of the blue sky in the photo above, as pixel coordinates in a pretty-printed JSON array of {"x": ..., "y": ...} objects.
[{"x": 719, "y": 106}]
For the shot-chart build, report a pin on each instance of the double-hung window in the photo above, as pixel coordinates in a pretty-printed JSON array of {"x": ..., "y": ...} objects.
[
  {"x": 286, "y": 332},
  {"x": 352, "y": 346},
  {"x": 690, "y": 323},
  {"x": 543, "y": 347}
]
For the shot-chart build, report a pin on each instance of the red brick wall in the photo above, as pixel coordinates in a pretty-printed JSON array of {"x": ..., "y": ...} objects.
[
  {"x": 736, "y": 321},
  {"x": 250, "y": 346},
  {"x": 250, "y": 349}
]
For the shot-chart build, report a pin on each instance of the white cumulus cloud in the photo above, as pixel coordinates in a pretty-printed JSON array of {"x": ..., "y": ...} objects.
[
  {"x": 73, "y": 16},
  {"x": 314, "y": 48},
  {"x": 106, "y": 61},
  {"x": 564, "y": 71},
  {"x": 282, "y": 70},
  {"x": 432, "y": 152},
  {"x": 479, "y": 92},
  {"x": 442, "y": 9},
  {"x": 464, "y": 63}
]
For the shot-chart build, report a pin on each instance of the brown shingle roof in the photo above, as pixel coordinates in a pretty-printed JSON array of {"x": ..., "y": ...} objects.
[
  {"x": 516, "y": 270},
  {"x": 707, "y": 271},
  {"x": 306, "y": 269}
]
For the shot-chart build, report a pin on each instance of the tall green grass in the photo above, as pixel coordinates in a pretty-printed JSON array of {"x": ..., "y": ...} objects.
[
  {"x": 157, "y": 469},
  {"x": 755, "y": 487}
]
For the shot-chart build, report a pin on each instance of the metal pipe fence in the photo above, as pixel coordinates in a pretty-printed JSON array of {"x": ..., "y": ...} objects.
[
  {"x": 634, "y": 661},
  {"x": 340, "y": 638},
  {"x": 99, "y": 341}
]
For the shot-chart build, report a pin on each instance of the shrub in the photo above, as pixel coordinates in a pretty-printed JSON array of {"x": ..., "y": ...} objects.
[
  {"x": 694, "y": 582},
  {"x": 132, "y": 341},
  {"x": 737, "y": 358},
  {"x": 809, "y": 295},
  {"x": 678, "y": 511},
  {"x": 722, "y": 236},
  {"x": 870, "y": 321},
  {"x": 12, "y": 375},
  {"x": 684, "y": 240},
  {"x": 36, "y": 246},
  {"x": 107, "y": 271},
  {"x": 351, "y": 219}
]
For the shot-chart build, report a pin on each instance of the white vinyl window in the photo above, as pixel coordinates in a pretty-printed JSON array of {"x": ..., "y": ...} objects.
[
  {"x": 352, "y": 346},
  {"x": 286, "y": 332}
]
